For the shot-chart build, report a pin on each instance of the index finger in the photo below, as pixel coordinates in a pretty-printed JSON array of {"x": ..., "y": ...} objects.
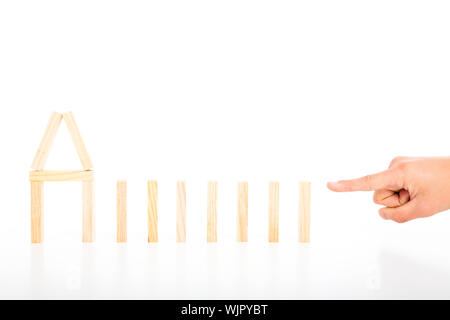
[{"x": 383, "y": 180}]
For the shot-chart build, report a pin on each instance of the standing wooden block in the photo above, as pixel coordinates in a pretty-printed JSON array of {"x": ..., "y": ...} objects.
[
  {"x": 47, "y": 140},
  {"x": 78, "y": 141},
  {"x": 152, "y": 187},
  {"x": 274, "y": 192},
  {"x": 121, "y": 211},
  {"x": 37, "y": 221},
  {"x": 242, "y": 224},
  {"x": 88, "y": 211},
  {"x": 212, "y": 212},
  {"x": 181, "y": 211},
  {"x": 304, "y": 212}
]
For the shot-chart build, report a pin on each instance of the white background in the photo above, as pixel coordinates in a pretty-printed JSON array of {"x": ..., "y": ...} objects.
[{"x": 225, "y": 90}]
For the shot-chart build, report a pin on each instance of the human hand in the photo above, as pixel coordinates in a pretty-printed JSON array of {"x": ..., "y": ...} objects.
[{"x": 411, "y": 188}]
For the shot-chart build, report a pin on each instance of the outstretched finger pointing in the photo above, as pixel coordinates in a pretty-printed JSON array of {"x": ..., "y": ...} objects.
[{"x": 382, "y": 180}]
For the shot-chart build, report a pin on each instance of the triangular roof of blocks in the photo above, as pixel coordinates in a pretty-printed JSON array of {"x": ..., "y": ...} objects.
[{"x": 43, "y": 151}]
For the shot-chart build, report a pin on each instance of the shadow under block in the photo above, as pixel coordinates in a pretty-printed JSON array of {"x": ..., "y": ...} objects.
[
  {"x": 88, "y": 211},
  {"x": 37, "y": 221},
  {"x": 304, "y": 212},
  {"x": 242, "y": 221},
  {"x": 121, "y": 211},
  {"x": 78, "y": 141},
  {"x": 152, "y": 188},
  {"x": 211, "y": 232},
  {"x": 274, "y": 191},
  {"x": 47, "y": 141},
  {"x": 181, "y": 211}
]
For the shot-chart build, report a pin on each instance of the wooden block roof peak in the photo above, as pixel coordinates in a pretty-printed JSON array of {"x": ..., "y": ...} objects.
[{"x": 54, "y": 123}]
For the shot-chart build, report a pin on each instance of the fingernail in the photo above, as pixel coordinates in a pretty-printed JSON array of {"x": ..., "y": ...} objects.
[
  {"x": 333, "y": 185},
  {"x": 383, "y": 214}
]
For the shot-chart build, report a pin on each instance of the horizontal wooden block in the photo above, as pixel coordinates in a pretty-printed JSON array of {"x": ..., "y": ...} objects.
[{"x": 49, "y": 176}]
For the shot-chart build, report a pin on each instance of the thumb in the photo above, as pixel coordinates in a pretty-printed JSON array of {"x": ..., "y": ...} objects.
[
  {"x": 401, "y": 214},
  {"x": 389, "y": 179}
]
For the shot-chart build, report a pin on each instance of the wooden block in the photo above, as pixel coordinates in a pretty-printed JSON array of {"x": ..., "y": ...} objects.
[
  {"x": 274, "y": 192},
  {"x": 47, "y": 141},
  {"x": 304, "y": 212},
  {"x": 242, "y": 223},
  {"x": 37, "y": 221},
  {"x": 51, "y": 176},
  {"x": 78, "y": 141},
  {"x": 88, "y": 211},
  {"x": 181, "y": 211},
  {"x": 211, "y": 235},
  {"x": 121, "y": 211},
  {"x": 152, "y": 187}
]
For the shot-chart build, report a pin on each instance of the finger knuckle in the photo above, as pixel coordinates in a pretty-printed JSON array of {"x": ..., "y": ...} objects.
[
  {"x": 368, "y": 180},
  {"x": 396, "y": 160},
  {"x": 403, "y": 166}
]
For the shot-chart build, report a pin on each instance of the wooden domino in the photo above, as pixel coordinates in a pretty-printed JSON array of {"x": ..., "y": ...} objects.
[
  {"x": 47, "y": 141},
  {"x": 88, "y": 211},
  {"x": 211, "y": 234},
  {"x": 274, "y": 188},
  {"x": 37, "y": 218},
  {"x": 242, "y": 221},
  {"x": 181, "y": 211},
  {"x": 152, "y": 188},
  {"x": 78, "y": 141},
  {"x": 304, "y": 212},
  {"x": 49, "y": 176},
  {"x": 121, "y": 195}
]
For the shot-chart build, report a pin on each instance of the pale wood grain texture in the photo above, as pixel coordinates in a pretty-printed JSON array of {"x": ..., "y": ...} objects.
[
  {"x": 242, "y": 221},
  {"x": 211, "y": 234},
  {"x": 88, "y": 211},
  {"x": 152, "y": 188},
  {"x": 274, "y": 191},
  {"x": 47, "y": 141},
  {"x": 78, "y": 141},
  {"x": 181, "y": 211},
  {"x": 304, "y": 212},
  {"x": 121, "y": 196},
  {"x": 54, "y": 176},
  {"x": 37, "y": 218}
]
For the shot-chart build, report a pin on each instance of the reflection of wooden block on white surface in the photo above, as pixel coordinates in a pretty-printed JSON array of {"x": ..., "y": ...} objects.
[
  {"x": 152, "y": 187},
  {"x": 121, "y": 211},
  {"x": 212, "y": 212},
  {"x": 78, "y": 141},
  {"x": 88, "y": 211},
  {"x": 274, "y": 188},
  {"x": 37, "y": 221},
  {"x": 242, "y": 223},
  {"x": 47, "y": 140},
  {"x": 181, "y": 211},
  {"x": 304, "y": 212}
]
